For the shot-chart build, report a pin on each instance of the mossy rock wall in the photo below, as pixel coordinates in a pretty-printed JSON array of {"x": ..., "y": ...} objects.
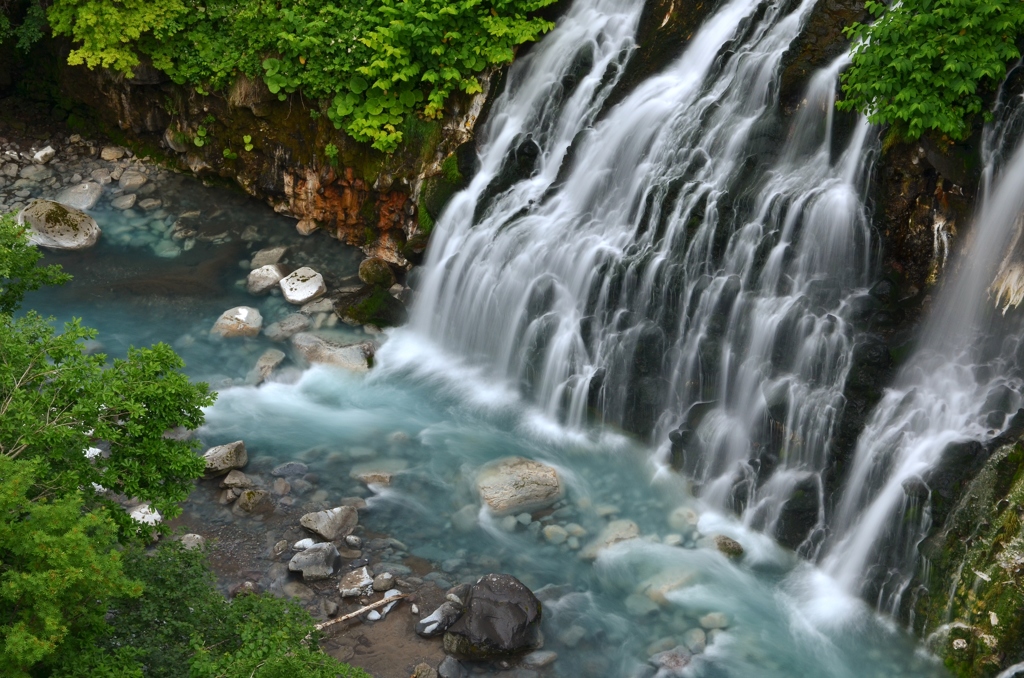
[
  {"x": 276, "y": 150},
  {"x": 972, "y": 610}
]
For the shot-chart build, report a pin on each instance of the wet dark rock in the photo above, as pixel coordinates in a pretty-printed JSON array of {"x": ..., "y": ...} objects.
[
  {"x": 799, "y": 514},
  {"x": 319, "y": 561},
  {"x": 502, "y": 617},
  {"x": 376, "y": 272},
  {"x": 450, "y": 667}
]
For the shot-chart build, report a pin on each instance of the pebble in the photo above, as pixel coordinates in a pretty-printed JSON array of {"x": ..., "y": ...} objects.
[
  {"x": 555, "y": 534},
  {"x": 714, "y": 620},
  {"x": 383, "y": 581}
]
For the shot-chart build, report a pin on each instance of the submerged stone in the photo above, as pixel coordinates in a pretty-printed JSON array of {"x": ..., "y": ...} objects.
[
  {"x": 241, "y": 321},
  {"x": 83, "y": 196}
]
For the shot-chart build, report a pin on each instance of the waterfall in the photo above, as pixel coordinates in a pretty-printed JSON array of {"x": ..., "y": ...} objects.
[
  {"x": 958, "y": 390},
  {"x": 677, "y": 265}
]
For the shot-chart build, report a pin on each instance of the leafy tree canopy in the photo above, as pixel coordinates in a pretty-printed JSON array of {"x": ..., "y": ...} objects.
[
  {"x": 371, "y": 64},
  {"x": 924, "y": 64}
]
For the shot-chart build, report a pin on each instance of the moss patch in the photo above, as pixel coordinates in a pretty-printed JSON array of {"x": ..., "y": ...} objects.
[{"x": 976, "y": 575}]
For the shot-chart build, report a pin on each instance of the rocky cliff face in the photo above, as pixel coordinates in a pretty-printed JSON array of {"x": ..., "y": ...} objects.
[{"x": 281, "y": 152}]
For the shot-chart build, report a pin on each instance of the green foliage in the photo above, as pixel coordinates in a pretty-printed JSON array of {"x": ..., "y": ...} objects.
[
  {"x": 56, "y": 403},
  {"x": 450, "y": 169},
  {"x": 373, "y": 63},
  {"x": 200, "y": 138},
  {"x": 331, "y": 151},
  {"x": 181, "y": 626},
  {"x": 923, "y": 64},
  {"x": 229, "y": 154},
  {"x": 58, "y": 565},
  {"x": 19, "y": 272},
  {"x": 247, "y": 140}
]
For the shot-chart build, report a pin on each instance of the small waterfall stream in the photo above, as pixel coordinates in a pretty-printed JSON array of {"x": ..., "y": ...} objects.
[
  {"x": 961, "y": 386},
  {"x": 681, "y": 265}
]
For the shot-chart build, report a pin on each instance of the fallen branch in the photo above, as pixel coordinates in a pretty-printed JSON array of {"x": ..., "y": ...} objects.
[{"x": 360, "y": 611}]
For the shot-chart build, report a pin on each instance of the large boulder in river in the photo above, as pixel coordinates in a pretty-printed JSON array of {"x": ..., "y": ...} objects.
[
  {"x": 376, "y": 272},
  {"x": 264, "y": 279},
  {"x": 302, "y": 285},
  {"x": 355, "y": 357},
  {"x": 501, "y": 618},
  {"x": 224, "y": 458},
  {"x": 59, "y": 227},
  {"x": 514, "y": 485},
  {"x": 331, "y": 524},
  {"x": 319, "y": 561},
  {"x": 83, "y": 196},
  {"x": 241, "y": 321}
]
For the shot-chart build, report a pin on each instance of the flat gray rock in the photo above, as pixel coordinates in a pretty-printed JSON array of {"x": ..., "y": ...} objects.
[
  {"x": 83, "y": 196},
  {"x": 264, "y": 279},
  {"x": 132, "y": 180},
  {"x": 353, "y": 357},
  {"x": 319, "y": 561},
  {"x": 331, "y": 524}
]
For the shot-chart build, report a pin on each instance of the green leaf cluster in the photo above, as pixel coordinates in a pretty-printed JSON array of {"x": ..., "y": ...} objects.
[
  {"x": 56, "y": 562},
  {"x": 923, "y": 65},
  {"x": 371, "y": 64}
]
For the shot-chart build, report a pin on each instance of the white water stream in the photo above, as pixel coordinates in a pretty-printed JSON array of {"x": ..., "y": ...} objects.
[{"x": 686, "y": 268}]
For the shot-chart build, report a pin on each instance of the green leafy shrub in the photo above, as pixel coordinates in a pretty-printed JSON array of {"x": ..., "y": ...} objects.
[
  {"x": 58, "y": 565},
  {"x": 372, "y": 64},
  {"x": 924, "y": 64}
]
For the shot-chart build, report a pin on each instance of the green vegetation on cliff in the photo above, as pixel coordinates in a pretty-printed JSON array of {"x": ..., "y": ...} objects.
[
  {"x": 371, "y": 64},
  {"x": 923, "y": 65},
  {"x": 975, "y": 575}
]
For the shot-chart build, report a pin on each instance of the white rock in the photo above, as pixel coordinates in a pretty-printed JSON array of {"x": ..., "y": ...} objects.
[
  {"x": 264, "y": 279},
  {"x": 355, "y": 583},
  {"x": 241, "y": 321},
  {"x": 131, "y": 181},
  {"x": 353, "y": 357},
  {"x": 83, "y": 196},
  {"x": 57, "y": 227},
  {"x": 514, "y": 484},
  {"x": 303, "y": 544},
  {"x": 44, "y": 156},
  {"x": 236, "y": 478},
  {"x": 124, "y": 202},
  {"x": 303, "y": 285},
  {"x": 145, "y": 514}
]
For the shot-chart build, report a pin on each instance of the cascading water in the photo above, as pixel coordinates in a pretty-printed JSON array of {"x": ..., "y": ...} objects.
[
  {"x": 960, "y": 387},
  {"x": 668, "y": 267}
]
